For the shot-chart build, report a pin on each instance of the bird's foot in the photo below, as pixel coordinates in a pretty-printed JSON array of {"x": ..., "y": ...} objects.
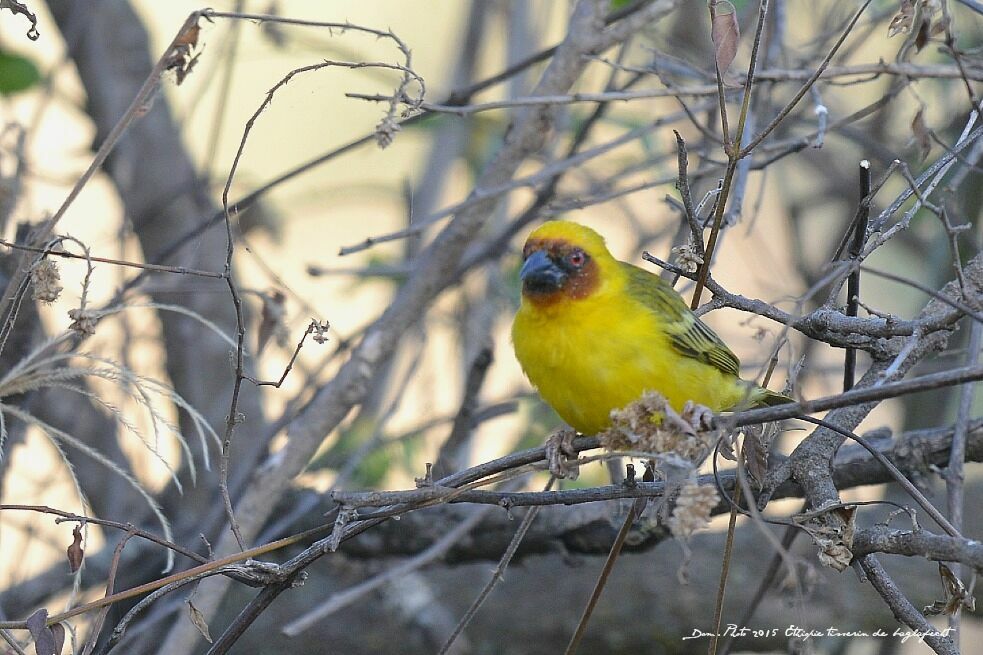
[
  {"x": 561, "y": 455},
  {"x": 698, "y": 417}
]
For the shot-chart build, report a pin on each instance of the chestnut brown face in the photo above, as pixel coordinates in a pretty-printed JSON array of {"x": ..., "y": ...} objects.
[{"x": 554, "y": 270}]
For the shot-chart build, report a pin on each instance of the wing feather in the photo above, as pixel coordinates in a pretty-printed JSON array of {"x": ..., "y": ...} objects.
[{"x": 688, "y": 335}]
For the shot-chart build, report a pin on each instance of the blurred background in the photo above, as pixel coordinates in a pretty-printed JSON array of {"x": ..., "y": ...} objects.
[{"x": 160, "y": 363}]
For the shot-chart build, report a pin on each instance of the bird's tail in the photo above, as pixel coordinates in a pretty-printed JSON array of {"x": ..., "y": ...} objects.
[{"x": 767, "y": 398}]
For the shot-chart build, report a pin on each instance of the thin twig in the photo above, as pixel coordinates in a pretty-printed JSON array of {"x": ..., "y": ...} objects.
[
  {"x": 233, "y": 416},
  {"x": 682, "y": 185},
  {"x": 633, "y": 512},
  {"x": 899, "y": 477},
  {"x": 534, "y": 101},
  {"x": 902, "y": 608},
  {"x": 132, "y": 113},
  {"x": 96, "y": 627},
  {"x": 343, "y": 598},
  {"x": 153, "y": 268},
  {"x": 497, "y": 575},
  {"x": 9, "y": 638},
  {"x": 853, "y": 281},
  {"x": 746, "y": 150},
  {"x": 318, "y": 327},
  {"x": 954, "y": 471},
  {"x": 732, "y": 148},
  {"x": 125, "y": 527},
  {"x": 718, "y": 607}
]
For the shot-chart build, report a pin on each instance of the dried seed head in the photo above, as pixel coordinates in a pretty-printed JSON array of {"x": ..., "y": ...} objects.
[
  {"x": 832, "y": 530},
  {"x": 692, "y": 510},
  {"x": 385, "y": 131},
  {"x": 651, "y": 425},
  {"x": 45, "y": 278},
  {"x": 83, "y": 322},
  {"x": 320, "y": 330},
  {"x": 687, "y": 257}
]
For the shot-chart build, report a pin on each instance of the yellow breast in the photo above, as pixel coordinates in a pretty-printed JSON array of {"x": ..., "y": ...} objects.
[{"x": 589, "y": 357}]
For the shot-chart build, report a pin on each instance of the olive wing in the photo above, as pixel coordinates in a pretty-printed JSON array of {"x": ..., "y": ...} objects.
[{"x": 688, "y": 335}]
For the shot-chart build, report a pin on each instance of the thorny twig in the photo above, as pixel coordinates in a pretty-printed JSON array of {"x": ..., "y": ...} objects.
[{"x": 387, "y": 127}]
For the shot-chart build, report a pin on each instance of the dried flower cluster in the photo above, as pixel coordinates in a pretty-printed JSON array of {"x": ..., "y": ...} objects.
[
  {"x": 83, "y": 321},
  {"x": 320, "y": 330},
  {"x": 692, "y": 510},
  {"x": 651, "y": 425},
  {"x": 385, "y": 131},
  {"x": 687, "y": 258},
  {"x": 45, "y": 279},
  {"x": 832, "y": 531}
]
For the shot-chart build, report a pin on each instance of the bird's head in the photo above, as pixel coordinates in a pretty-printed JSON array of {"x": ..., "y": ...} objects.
[{"x": 562, "y": 261}]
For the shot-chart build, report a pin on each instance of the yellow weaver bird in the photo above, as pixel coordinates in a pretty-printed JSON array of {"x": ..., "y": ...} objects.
[{"x": 593, "y": 334}]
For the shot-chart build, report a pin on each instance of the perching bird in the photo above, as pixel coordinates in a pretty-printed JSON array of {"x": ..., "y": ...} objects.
[{"x": 593, "y": 334}]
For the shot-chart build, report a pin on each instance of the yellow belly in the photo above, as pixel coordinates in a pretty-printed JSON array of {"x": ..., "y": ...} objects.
[{"x": 587, "y": 359}]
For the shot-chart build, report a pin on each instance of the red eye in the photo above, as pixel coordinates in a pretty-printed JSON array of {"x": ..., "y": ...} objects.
[{"x": 577, "y": 258}]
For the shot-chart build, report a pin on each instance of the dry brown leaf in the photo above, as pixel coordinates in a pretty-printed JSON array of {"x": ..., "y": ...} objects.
[
  {"x": 75, "y": 551},
  {"x": 921, "y": 38},
  {"x": 189, "y": 37},
  {"x": 941, "y": 26},
  {"x": 834, "y": 536},
  {"x": 726, "y": 35},
  {"x": 180, "y": 58},
  {"x": 921, "y": 134},
  {"x": 903, "y": 20},
  {"x": 36, "y": 622},
  {"x": 755, "y": 454},
  {"x": 198, "y": 619},
  {"x": 46, "y": 642},
  {"x": 58, "y": 635},
  {"x": 955, "y": 595},
  {"x": 272, "y": 318}
]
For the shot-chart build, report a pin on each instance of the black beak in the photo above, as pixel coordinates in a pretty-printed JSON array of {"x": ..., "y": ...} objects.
[{"x": 541, "y": 275}]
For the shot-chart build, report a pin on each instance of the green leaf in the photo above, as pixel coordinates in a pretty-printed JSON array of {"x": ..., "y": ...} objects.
[{"x": 17, "y": 73}]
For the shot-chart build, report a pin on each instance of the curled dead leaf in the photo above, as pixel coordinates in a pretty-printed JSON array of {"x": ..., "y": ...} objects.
[
  {"x": 75, "y": 552},
  {"x": 188, "y": 36},
  {"x": 941, "y": 26},
  {"x": 921, "y": 38},
  {"x": 955, "y": 595},
  {"x": 198, "y": 619},
  {"x": 832, "y": 531},
  {"x": 272, "y": 321},
  {"x": 903, "y": 20},
  {"x": 36, "y": 622},
  {"x": 21, "y": 8},
  {"x": 725, "y": 33},
  {"x": 47, "y": 640},
  {"x": 921, "y": 134},
  {"x": 58, "y": 636},
  {"x": 181, "y": 59},
  {"x": 757, "y": 445}
]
